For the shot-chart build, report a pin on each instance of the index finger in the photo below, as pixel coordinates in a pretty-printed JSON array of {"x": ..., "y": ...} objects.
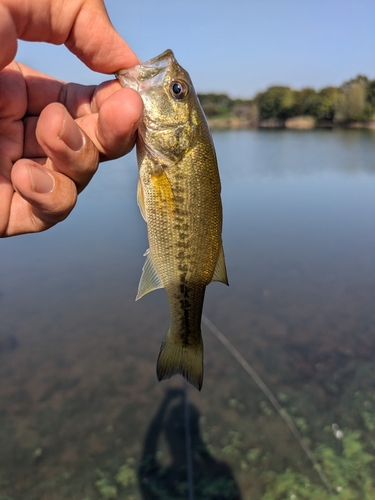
[{"x": 82, "y": 25}]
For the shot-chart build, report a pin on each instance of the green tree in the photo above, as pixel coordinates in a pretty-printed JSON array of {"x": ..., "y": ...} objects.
[
  {"x": 370, "y": 100},
  {"x": 215, "y": 104},
  {"x": 303, "y": 100},
  {"x": 321, "y": 105},
  {"x": 350, "y": 105},
  {"x": 276, "y": 103}
]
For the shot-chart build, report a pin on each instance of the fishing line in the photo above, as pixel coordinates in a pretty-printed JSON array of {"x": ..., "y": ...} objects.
[
  {"x": 262, "y": 386},
  {"x": 189, "y": 456}
]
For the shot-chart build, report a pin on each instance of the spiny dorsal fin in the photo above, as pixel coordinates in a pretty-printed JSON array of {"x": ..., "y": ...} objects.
[
  {"x": 220, "y": 273},
  {"x": 149, "y": 280}
]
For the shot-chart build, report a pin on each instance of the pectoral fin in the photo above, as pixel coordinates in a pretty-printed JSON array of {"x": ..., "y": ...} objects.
[
  {"x": 220, "y": 273},
  {"x": 149, "y": 280},
  {"x": 163, "y": 192},
  {"x": 141, "y": 200}
]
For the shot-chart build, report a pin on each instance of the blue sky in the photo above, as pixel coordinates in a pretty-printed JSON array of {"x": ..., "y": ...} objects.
[{"x": 239, "y": 47}]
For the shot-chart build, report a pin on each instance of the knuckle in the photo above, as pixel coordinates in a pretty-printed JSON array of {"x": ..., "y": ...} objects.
[{"x": 45, "y": 215}]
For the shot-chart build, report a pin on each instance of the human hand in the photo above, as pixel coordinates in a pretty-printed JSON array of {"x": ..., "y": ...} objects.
[{"x": 52, "y": 135}]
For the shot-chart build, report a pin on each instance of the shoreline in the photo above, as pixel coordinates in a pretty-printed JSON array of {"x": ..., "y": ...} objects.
[{"x": 295, "y": 123}]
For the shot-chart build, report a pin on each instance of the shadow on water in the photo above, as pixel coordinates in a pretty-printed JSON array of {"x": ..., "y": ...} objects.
[{"x": 168, "y": 480}]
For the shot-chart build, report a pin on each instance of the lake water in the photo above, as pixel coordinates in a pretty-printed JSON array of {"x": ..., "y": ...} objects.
[{"x": 82, "y": 416}]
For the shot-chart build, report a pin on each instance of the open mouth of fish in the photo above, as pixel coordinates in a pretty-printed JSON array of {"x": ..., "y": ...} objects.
[{"x": 136, "y": 78}]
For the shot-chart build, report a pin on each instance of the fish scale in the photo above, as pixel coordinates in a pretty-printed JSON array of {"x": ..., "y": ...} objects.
[{"x": 179, "y": 197}]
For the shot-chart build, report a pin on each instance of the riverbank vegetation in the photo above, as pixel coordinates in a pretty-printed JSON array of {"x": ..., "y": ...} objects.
[{"x": 351, "y": 105}]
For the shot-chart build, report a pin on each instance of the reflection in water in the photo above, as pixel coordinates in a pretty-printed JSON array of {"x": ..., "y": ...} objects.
[
  {"x": 275, "y": 153},
  {"x": 211, "y": 479}
]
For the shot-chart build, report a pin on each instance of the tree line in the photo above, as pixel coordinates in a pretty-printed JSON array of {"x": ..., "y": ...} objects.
[{"x": 354, "y": 101}]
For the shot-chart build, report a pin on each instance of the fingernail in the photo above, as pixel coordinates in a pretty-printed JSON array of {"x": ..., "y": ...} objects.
[
  {"x": 41, "y": 181},
  {"x": 71, "y": 134}
]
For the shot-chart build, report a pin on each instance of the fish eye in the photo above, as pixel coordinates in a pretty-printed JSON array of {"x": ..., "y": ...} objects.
[{"x": 179, "y": 89}]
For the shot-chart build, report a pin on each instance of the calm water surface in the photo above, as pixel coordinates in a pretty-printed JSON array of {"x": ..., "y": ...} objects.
[{"x": 81, "y": 413}]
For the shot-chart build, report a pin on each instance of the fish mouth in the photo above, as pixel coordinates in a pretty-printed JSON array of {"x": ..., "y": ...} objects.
[
  {"x": 150, "y": 70},
  {"x": 161, "y": 60}
]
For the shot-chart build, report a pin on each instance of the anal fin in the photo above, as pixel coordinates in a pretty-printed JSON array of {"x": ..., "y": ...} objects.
[{"x": 220, "y": 273}]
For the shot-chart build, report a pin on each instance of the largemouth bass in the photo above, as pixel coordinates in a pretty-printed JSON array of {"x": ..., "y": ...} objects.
[{"x": 179, "y": 198}]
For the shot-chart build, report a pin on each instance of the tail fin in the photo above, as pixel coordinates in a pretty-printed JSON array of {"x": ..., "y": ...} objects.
[{"x": 175, "y": 358}]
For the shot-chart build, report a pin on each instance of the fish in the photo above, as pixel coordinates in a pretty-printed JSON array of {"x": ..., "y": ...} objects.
[{"x": 179, "y": 198}]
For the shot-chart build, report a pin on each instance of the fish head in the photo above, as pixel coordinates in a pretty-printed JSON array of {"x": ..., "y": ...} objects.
[{"x": 172, "y": 113}]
